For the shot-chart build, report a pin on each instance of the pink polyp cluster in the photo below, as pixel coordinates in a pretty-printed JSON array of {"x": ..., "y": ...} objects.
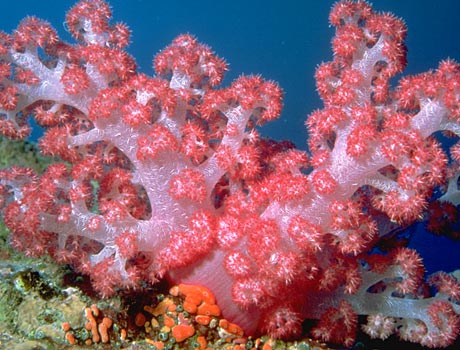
[{"x": 167, "y": 177}]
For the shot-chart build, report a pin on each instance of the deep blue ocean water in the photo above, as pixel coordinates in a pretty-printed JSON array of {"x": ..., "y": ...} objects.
[{"x": 281, "y": 40}]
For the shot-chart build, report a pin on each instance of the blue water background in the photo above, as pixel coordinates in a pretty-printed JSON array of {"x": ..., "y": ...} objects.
[{"x": 281, "y": 40}]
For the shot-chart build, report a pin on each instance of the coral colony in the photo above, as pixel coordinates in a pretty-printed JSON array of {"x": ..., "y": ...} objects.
[{"x": 167, "y": 177}]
